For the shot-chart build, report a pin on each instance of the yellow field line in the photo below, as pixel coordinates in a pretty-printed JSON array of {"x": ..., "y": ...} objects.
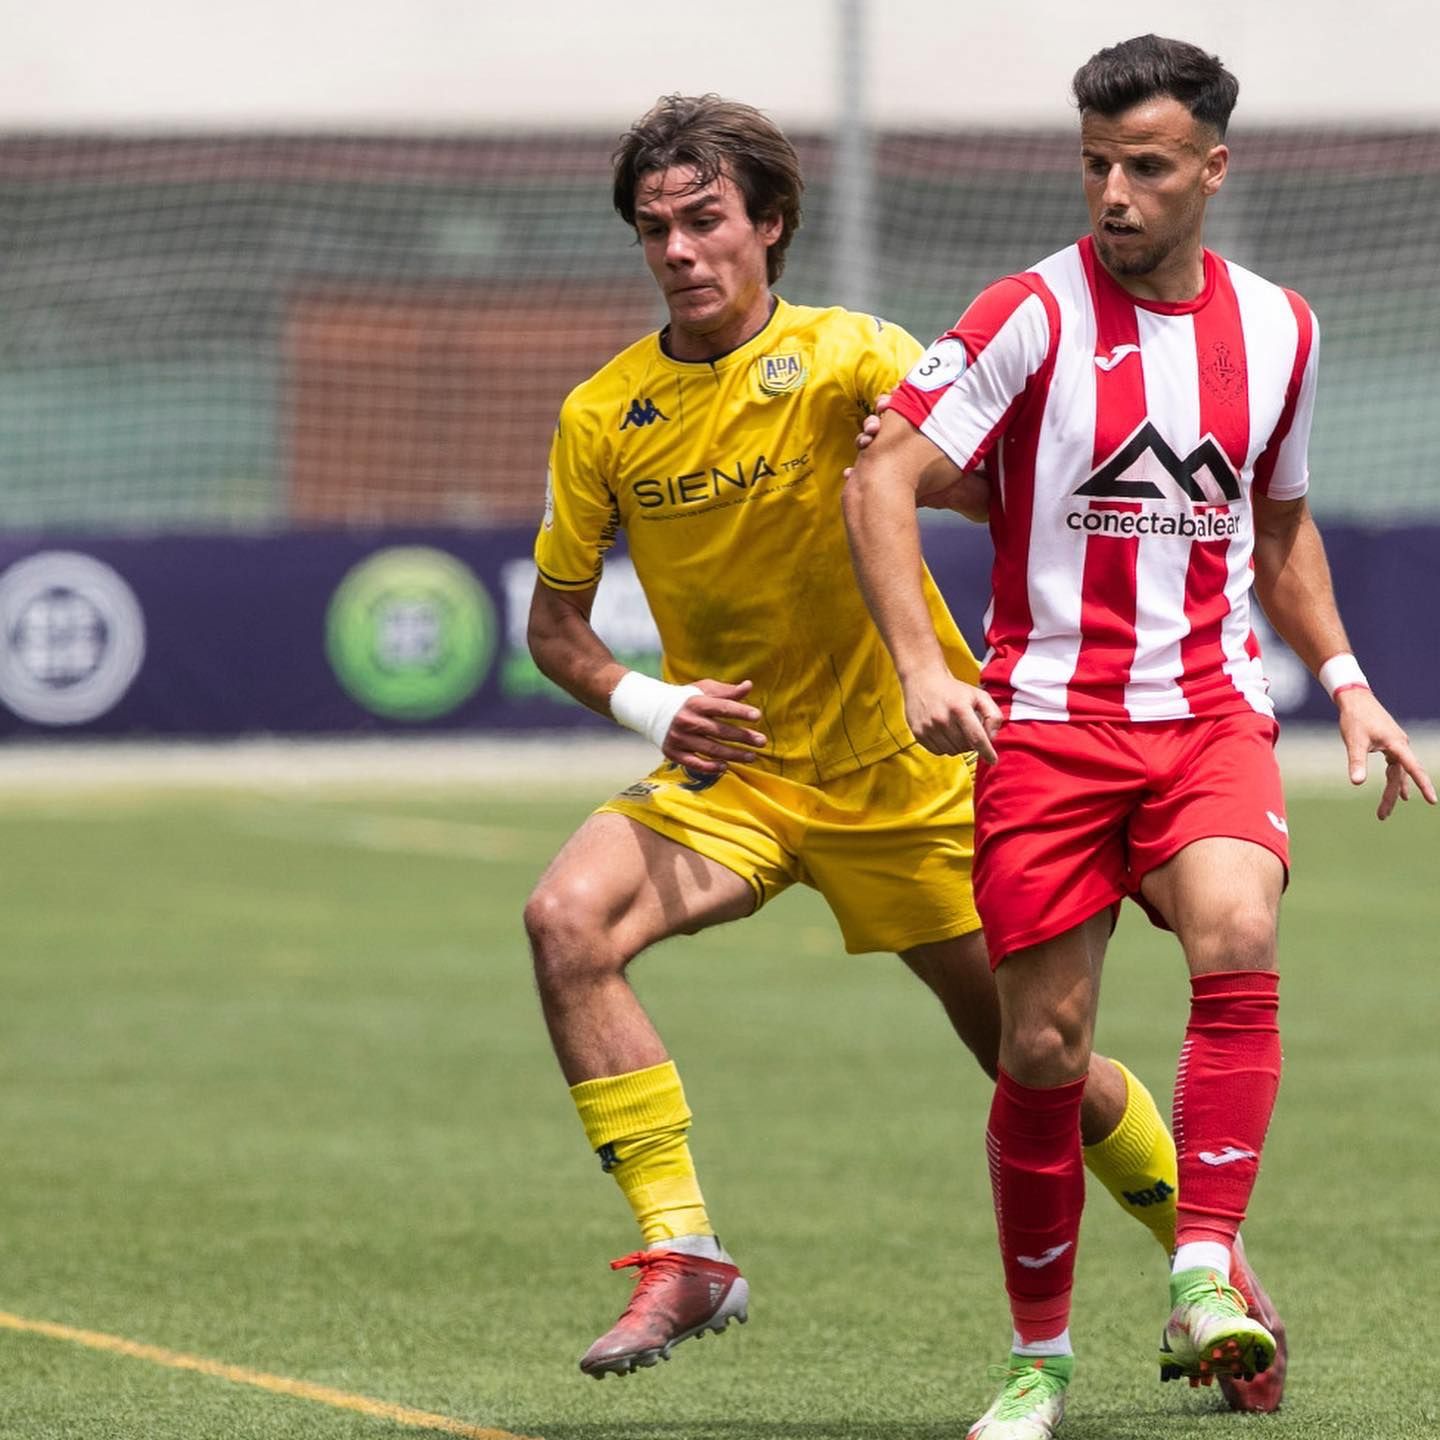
[{"x": 239, "y": 1375}]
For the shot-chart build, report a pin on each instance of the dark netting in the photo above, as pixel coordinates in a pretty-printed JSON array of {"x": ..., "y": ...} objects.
[{"x": 259, "y": 332}]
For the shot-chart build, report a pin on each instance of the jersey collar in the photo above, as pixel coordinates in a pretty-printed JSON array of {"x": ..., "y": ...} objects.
[
  {"x": 1105, "y": 279},
  {"x": 741, "y": 352}
]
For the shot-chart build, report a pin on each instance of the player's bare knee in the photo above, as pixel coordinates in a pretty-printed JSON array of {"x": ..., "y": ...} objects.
[
  {"x": 1047, "y": 1052},
  {"x": 1243, "y": 939},
  {"x": 567, "y": 932}
]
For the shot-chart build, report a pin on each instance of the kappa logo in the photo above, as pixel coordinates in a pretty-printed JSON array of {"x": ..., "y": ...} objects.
[
  {"x": 1113, "y": 480},
  {"x": 695, "y": 780},
  {"x": 780, "y": 373},
  {"x": 1119, "y": 353},
  {"x": 1031, "y": 1262},
  {"x": 1278, "y": 821},
  {"x": 1228, "y": 1156},
  {"x": 641, "y": 415}
]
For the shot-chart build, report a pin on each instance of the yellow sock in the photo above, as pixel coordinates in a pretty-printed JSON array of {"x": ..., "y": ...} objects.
[
  {"x": 1136, "y": 1163},
  {"x": 637, "y": 1124}
]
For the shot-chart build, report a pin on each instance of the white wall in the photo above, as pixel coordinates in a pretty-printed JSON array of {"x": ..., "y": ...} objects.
[{"x": 448, "y": 63}]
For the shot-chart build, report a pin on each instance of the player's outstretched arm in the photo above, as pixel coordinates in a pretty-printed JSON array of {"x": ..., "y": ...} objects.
[
  {"x": 1292, "y": 582},
  {"x": 944, "y": 714},
  {"x": 705, "y": 725}
]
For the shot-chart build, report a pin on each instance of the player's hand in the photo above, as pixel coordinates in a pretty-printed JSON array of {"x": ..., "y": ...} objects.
[
  {"x": 871, "y": 428},
  {"x": 949, "y": 717},
  {"x": 711, "y": 731},
  {"x": 1367, "y": 727}
]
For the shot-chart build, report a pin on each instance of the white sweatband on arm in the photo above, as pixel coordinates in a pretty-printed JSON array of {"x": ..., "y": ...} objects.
[
  {"x": 1342, "y": 672},
  {"x": 648, "y": 706}
]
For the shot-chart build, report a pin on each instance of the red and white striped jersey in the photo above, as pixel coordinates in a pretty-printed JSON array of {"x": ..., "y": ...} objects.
[{"x": 1122, "y": 438}]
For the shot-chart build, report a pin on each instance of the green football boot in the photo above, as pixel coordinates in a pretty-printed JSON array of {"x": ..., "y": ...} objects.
[
  {"x": 1209, "y": 1332},
  {"x": 1032, "y": 1401}
]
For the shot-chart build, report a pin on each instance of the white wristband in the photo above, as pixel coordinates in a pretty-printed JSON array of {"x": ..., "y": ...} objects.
[
  {"x": 648, "y": 706},
  {"x": 1340, "y": 671}
]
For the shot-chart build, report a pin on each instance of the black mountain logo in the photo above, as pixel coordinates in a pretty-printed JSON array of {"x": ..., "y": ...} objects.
[{"x": 1106, "y": 483}]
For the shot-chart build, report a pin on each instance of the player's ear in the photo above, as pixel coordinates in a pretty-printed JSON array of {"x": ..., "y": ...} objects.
[
  {"x": 1217, "y": 166},
  {"x": 768, "y": 227}
]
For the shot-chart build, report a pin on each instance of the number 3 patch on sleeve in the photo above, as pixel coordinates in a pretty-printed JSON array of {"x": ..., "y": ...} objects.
[{"x": 941, "y": 365}]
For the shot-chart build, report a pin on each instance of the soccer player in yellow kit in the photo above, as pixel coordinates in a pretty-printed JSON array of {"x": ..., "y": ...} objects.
[{"x": 719, "y": 445}]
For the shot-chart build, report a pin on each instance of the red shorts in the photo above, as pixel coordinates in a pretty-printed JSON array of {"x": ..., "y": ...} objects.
[{"x": 1075, "y": 814}]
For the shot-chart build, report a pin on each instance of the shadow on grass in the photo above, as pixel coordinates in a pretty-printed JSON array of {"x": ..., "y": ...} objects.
[{"x": 1142, "y": 1423}]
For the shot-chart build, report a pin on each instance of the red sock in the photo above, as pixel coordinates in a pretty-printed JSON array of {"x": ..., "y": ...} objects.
[
  {"x": 1224, "y": 1093},
  {"x": 1038, "y": 1180}
]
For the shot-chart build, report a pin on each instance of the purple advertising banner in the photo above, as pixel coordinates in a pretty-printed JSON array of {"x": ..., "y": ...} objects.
[{"x": 343, "y": 632}]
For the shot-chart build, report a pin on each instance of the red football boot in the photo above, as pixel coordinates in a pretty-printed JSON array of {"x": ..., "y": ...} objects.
[
  {"x": 1264, "y": 1393},
  {"x": 677, "y": 1296}
]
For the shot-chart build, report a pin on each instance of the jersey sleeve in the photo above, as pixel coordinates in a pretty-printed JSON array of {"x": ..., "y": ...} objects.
[
  {"x": 1282, "y": 471},
  {"x": 884, "y": 362},
  {"x": 963, "y": 389},
  {"x": 581, "y": 515}
]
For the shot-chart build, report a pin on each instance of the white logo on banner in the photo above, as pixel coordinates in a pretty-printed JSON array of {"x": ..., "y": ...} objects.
[{"x": 72, "y": 638}]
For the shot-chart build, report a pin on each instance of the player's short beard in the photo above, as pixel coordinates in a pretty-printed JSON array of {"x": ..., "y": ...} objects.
[
  {"x": 1142, "y": 262},
  {"x": 1149, "y": 259}
]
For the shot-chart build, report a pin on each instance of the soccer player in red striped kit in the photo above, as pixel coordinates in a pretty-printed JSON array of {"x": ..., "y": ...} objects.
[{"x": 1133, "y": 413}]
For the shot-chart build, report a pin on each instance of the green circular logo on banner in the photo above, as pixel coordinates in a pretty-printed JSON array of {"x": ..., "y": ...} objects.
[{"x": 411, "y": 633}]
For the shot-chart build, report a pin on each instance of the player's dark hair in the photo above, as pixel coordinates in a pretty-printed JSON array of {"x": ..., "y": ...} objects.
[
  {"x": 715, "y": 137},
  {"x": 1113, "y": 80}
]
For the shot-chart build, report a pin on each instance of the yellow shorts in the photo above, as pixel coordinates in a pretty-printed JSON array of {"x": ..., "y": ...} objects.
[{"x": 889, "y": 846}]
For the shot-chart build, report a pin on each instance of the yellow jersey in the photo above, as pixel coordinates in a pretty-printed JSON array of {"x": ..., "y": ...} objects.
[{"x": 726, "y": 476}]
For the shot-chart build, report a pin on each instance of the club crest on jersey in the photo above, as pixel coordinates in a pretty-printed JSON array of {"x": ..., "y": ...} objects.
[
  {"x": 780, "y": 373},
  {"x": 644, "y": 414},
  {"x": 1223, "y": 373}
]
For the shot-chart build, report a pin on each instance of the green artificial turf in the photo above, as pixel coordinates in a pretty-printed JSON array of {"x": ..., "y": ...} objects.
[{"x": 274, "y": 1091}]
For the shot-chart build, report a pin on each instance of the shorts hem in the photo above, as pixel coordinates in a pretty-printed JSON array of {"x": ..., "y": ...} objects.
[
  {"x": 664, "y": 826},
  {"x": 933, "y": 936},
  {"x": 1067, "y": 920},
  {"x": 1278, "y": 849}
]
